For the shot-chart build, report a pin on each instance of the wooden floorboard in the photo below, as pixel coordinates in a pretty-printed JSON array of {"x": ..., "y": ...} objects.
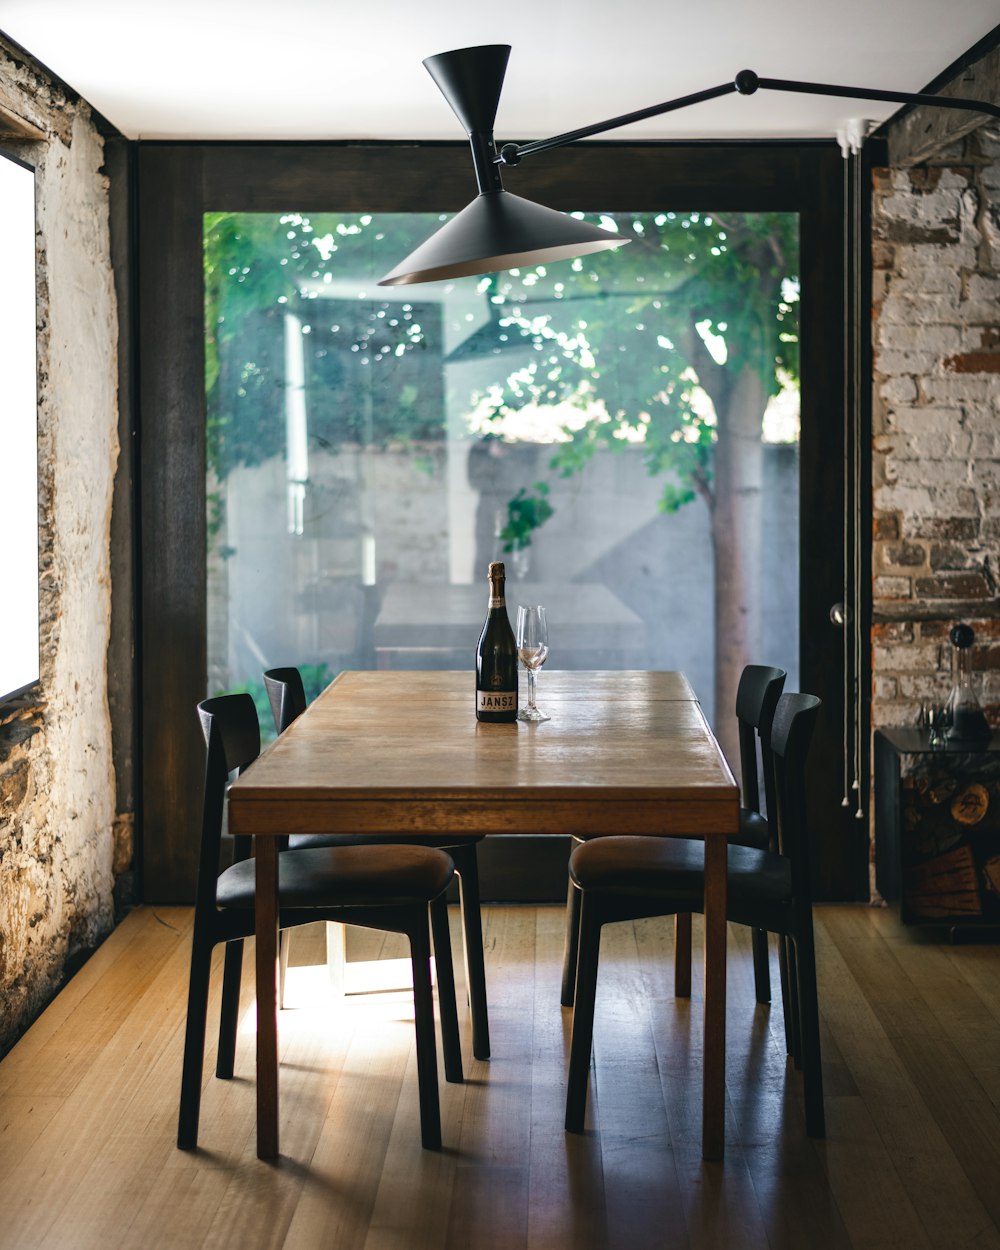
[{"x": 911, "y": 1038}]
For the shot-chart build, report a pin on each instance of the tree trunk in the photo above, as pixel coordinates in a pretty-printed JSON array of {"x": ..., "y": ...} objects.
[{"x": 738, "y": 470}]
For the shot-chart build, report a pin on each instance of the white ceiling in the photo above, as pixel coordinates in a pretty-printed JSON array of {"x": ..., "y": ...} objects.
[{"x": 327, "y": 69}]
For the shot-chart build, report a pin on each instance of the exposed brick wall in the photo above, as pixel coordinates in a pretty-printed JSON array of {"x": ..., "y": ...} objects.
[
  {"x": 57, "y": 792},
  {"x": 936, "y": 426}
]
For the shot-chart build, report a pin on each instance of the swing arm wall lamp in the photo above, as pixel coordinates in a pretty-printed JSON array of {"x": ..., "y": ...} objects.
[{"x": 499, "y": 230}]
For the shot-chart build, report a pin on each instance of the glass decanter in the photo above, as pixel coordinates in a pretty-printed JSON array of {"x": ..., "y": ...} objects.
[{"x": 967, "y": 724}]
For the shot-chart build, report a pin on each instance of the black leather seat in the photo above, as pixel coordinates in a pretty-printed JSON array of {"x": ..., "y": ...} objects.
[
  {"x": 354, "y": 876},
  {"x": 627, "y": 864}
]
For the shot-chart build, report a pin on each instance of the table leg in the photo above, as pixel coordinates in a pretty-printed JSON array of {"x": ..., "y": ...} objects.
[
  {"x": 266, "y": 923},
  {"x": 713, "y": 1106}
]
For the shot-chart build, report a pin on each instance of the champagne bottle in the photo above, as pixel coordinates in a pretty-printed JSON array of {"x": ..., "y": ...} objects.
[{"x": 496, "y": 658}]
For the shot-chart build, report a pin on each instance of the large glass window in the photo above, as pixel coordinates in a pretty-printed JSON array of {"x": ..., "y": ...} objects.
[
  {"x": 19, "y": 659},
  {"x": 622, "y": 430}
]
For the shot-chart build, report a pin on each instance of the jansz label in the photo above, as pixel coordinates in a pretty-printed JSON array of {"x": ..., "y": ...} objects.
[{"x": 496, "y": 701}]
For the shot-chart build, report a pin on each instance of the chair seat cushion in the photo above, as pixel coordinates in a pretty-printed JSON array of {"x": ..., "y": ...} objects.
[
  {"x": 307, "y": 841},
  {"x": 349, "y": 876},
  {"x": 675, "y": 868},
  {"x": 753, "y": 830}
]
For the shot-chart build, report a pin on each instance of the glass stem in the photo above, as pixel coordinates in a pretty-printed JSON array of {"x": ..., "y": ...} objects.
[{"x": 531, "y": 689}]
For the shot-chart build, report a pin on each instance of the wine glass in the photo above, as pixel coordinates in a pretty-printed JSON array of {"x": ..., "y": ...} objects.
[{"x": 532, "y": 651}]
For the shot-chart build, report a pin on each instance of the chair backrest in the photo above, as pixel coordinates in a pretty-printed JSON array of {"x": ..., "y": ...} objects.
[
  {"x": 791, "y": 734},
  {"x": 287, "y": 696},
  {"x": 756, "y": 698},
  {"x": 232, "y": 738}
]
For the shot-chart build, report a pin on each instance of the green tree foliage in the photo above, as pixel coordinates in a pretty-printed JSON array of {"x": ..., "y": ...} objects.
[
  {"x": 369, "y": 376},
  {"x": 638, "y": 338},
  {"x": 525, "y": 513}
]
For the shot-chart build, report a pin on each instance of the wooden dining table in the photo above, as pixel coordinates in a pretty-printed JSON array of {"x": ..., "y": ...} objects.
[{"x": 402, "y": 753}]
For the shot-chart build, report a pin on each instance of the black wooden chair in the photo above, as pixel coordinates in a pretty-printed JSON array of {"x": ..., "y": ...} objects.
[
  {"x": 756, "y": 697},
  {"x": 626, "y": 878},
  {"x": 377, "y": 887},
  {"x": 288, "y": 701}
]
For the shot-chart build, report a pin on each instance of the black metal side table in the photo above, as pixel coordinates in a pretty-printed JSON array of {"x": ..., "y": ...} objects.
[{"x": 937, "y": 829}]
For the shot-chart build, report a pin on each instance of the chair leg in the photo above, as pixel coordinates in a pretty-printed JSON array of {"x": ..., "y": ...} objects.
[
  {"x": 812, "y": 1069},
  {"x": 761, "y": 966},
  {"x": 785, "y": 991},
  {"x": 583, "y": 1015},
  {"x": 451, "y": 1044},
  {"x": 194, "y": 1042},
  {"x": 423, "y": 1017},
  {"x": 336, "y": 957},
  {"x": 229, "y": 1015},
  {"x": 284, "y": 949},
  {"x": 794, "y": 1010},
  {"x": 467, "y": 868},
  {"x": 682, "y": 955},
  {"x": 571, "y": 945}
]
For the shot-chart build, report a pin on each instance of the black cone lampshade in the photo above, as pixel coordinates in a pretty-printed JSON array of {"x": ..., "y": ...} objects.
[{"x": 497, "y": 230}]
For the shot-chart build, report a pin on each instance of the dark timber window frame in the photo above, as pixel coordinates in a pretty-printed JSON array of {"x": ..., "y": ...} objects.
[{"x": 178, "y": 182}]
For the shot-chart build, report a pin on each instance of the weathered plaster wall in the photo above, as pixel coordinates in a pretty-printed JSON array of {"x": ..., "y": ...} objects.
[
  {"x": 57, "y": 793},
  {"x": 936, "y": 425}
]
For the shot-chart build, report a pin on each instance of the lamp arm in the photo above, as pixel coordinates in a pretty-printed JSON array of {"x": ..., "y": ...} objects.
[
  {"x": 746, "y": 83},
  {"x": 511, "y": 153},
  {"x": 873, "y": 93}
]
